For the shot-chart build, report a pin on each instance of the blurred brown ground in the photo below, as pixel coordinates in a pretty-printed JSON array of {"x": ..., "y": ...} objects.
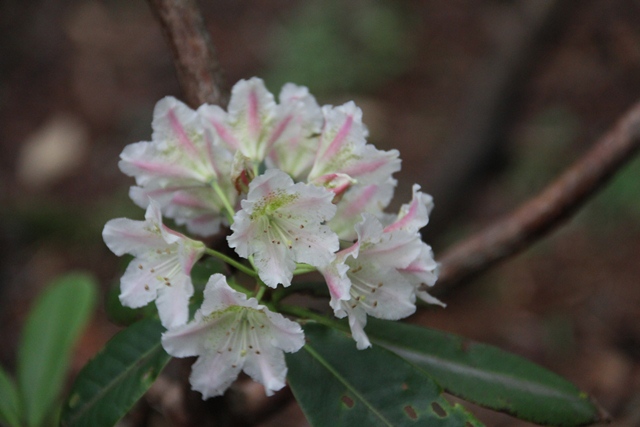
[{"x": 78, "y": 81}]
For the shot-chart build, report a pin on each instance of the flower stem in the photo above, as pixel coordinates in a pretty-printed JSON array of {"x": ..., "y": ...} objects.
[
  {"x": 261, "y": 290},
  {"x": 305, "y": 313},
  {"x": 225, "y": 201},
  {"x": 232, "y": 262},
  {"x": 303, "y": 268},
  {"x": 239, "y": 288}
]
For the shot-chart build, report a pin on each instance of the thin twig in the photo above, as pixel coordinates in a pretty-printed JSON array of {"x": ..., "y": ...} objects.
[
  {"x": 194, "y": 56},
  {"x": 545, "y": 211}
]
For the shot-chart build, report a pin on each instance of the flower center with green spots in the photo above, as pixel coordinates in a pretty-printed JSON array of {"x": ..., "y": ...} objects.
[{"x": 271, "y": 203}]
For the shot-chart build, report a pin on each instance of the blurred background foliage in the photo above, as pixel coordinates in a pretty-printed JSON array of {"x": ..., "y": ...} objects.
[
  {"x": 78, "y": 81},
  {"x": 332, "y": 46}
]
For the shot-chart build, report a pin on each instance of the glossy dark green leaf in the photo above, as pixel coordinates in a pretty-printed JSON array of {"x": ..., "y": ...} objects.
[
  {"x": 338, "y": 385},
  {"x": 9, "y": 401},
  {"x": 110, "y": 384},
  {"x": 316, "y": 289},
  {"x": 126, "y": 316},
  {"x": 487, "y": 375},
  {"x": 54, "y": 324}
]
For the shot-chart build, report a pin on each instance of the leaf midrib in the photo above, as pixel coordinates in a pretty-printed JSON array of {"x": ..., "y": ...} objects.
[
  {"x": 105, "y": 390},
  {"x": 415, "y": 357},
  {"x": 346, "y": 383}
]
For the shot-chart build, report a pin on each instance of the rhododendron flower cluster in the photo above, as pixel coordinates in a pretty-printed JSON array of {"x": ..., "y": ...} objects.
[{"x": 294, "y": 188}]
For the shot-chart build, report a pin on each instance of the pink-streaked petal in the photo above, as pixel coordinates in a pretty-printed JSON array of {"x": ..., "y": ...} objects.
[
  {"x": 343, "y": 125},
  {"x": 414, "y": 215},
  {"x": 335, "y": 275},
  {"x": 146, "y": 162},
  {"x": 189, "y": 252},
  {"x": 217, "y": 118},
  {"x": 357, "y": 200},
  {"x": 339, "y": 139},
  {"x": 172, "y": 123},
  {"x": 343, "y": 149},
  {"x": 196, "y": 207},
  {"x": 251, "y": 112},
  {"x": 370, "y": 165},
  {"x": 423, "y": 270},
  {"x": 293, "y": 144},
  {"x": 343, "y": 135},
  {"x": 181, "y": 134},
  {"x": 397, "y": 249}
]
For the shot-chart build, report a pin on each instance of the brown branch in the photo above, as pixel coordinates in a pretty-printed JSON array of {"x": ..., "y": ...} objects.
[
  {"x": 545, "y": 211},
  {"x": 194, "y": 56}
]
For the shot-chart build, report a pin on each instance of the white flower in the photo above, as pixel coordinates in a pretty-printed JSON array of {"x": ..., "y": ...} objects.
[
  {"x": 182, "y": 160},
  {"x": 231, "y": 333},
  {"x": 282, "y": 223},
  {"x": 295, "y": 149},
  {"x": 359, "y": 199},
  {"x": 372, "y": 284},
  {"x": 423, "y": 270},
  {"x": 258, "y": 127},
  {"x": 196, "y": 206},
  {"x": 414, "y": 215},
  {"x": 162, "y": 265},
  {"x": 343, "y": 149}
]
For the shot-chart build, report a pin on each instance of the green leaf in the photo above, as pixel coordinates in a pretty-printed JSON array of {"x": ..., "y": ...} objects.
[
  {"x": 54, "y": 324},
  {"x": 9, "y": 401},
  {"x": 338, "y": 385},
  {"x": 125, "y": 316},
  {"x": 110, "y": 384},
  {"x": 316, "y": 289},
  {"x": 488, "y": 376}
]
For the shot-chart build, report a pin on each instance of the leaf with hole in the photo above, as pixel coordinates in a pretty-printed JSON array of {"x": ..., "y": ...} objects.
[
  {"x": 488, "y": 376},
  {"x": 339, "y": 385},
  {"x": 54, "y": 324},
  {"x": 110, "y": 384}
]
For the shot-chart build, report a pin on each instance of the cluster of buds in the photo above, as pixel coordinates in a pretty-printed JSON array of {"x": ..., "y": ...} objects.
[{"x": 299, "y": 189}]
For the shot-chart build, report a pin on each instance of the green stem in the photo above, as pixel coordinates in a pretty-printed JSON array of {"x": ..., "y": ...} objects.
[
  {"x": 303, "y": 268},
  {"x": 232, "y": 262},
  {"x": 239, "y": 288},
  {"x": 305, "y": 313},
  {"x": 261, "y": 291},
  {"x": 225, "y": 201}
]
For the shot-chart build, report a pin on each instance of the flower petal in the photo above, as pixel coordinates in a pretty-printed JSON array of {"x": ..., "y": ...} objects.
[
  {"x": 415, "y": 215},
  {"x": 212, "y": 374},
  {"x": 282, "y": 223},
  {"x": 343, "y": 149},
  {"x": 232, "y": 333},
  {"x": 173, "y": 301}
]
